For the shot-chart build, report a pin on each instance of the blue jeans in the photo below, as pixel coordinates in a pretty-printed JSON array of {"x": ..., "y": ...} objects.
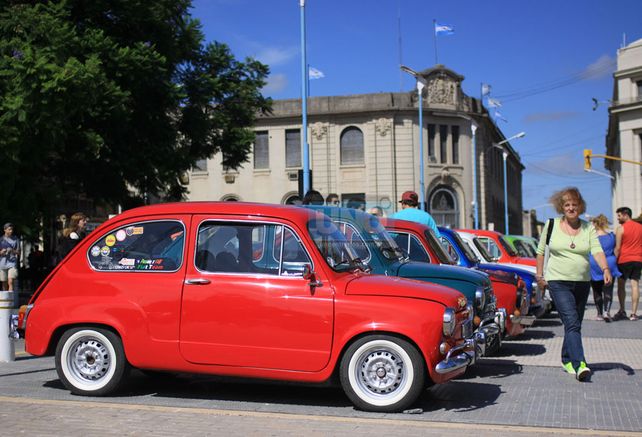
[{"x": 570, "y": 300}]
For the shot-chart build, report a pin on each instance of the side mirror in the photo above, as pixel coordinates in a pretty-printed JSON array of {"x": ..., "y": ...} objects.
[{"x": 309, "y": 275}]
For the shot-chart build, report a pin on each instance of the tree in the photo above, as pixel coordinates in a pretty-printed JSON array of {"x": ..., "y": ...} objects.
[{"x": 114, "y": 99}]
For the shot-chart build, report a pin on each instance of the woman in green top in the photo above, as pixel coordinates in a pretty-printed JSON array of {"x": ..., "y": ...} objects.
[{"x": 568, "y": 272}]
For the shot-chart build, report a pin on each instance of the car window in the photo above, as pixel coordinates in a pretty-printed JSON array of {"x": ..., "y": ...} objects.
[
  {"x": 412, "y": 246},
  {"x": 490, "y": 246},
  {"x": 145, "y": 246},
  {"x": 258, "y": 248},
  {"x": 523, "y": 249},
  {"x": 436, "y": 247},
  {"x": 507, "y": 247},
  {"x": 357, "y": 243},
  {"x": 449, "y": 248}
]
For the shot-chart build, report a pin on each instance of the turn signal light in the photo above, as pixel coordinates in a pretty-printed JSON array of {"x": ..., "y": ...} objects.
[{"x": 444, "y": 348}]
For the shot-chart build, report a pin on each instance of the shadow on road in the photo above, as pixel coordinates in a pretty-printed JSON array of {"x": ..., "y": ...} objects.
[
  {"x": 455, "y": 395},
  {"x": 602, "y": 367},
  {"x": 520, "y": 350},
  {"x": 460, "y": 396}
]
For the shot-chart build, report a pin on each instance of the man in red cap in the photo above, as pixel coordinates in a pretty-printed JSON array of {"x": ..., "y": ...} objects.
[{"x": 409, "y": 211}]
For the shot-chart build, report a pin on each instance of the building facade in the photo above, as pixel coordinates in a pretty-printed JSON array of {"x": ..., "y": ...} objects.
[
  {"x": 365, "y": 148},
  {"x": 624, "y": 137}
]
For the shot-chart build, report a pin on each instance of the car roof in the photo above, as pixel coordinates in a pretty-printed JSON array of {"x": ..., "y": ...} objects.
[
  {"x": 231, "y": 208},
  {"x": 481, "y": 232},
  {"x": 403, "y": 224}
]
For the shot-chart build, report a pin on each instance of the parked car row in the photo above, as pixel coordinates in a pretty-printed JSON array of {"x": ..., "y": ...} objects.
[{"x": 276, "y": 292}]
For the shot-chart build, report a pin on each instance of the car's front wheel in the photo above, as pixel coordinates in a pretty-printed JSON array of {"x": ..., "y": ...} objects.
[
  {"x": 91, "y": 361},
  {"x": 382, "y": 373}
]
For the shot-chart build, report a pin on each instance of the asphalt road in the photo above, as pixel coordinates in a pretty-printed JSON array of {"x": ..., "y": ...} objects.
[{"x": 521, "y": 389}]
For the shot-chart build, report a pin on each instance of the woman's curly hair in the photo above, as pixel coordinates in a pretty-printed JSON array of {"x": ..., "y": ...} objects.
[{"x": 569, "y": 193}]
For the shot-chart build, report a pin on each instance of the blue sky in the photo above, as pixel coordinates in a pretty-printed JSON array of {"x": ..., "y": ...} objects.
[{"x": 515, "y": 46}]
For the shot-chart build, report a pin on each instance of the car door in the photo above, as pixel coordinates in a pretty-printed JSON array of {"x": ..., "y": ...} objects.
[{"x": 246, "y": 303}]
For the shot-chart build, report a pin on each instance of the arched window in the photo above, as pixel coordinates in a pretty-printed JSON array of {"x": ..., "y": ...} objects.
[
  {"x": 292, "y": 199},
  {"x": 351, "y": 146},
  {"x": 230, "y": 198},
  {"x": 444, "y": 208}
]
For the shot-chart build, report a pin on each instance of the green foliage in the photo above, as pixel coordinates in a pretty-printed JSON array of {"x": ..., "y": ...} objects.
[{"x": 111, "y": 99}]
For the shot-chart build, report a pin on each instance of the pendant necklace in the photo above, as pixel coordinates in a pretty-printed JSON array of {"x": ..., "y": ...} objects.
[{"x": 568, "y": 226}]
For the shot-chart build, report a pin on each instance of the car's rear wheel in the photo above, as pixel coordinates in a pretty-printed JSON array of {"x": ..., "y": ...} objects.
[
  {"x": 91, "y": 361},
  {"x": 382, "y": 373}
]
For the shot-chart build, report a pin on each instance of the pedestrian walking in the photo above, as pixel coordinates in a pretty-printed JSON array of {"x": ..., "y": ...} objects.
[
  {"x": 628, "y": 249},
  {"x": 568, "y": 272},
  {"x": 409, "y": 211},
  {"x": 73, "y": 233},
  {"x": 603, "y": 294},
  {"x": 9, "y": 256}
]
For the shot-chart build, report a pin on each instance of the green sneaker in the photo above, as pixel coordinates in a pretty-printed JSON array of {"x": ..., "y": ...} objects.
[
  {"x": 583, "y": 372},
  {"x": 568, "y": 367}
]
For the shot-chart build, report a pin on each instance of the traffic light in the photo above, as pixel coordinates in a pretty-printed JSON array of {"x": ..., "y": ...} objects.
[{"x": 587, "y": 159}]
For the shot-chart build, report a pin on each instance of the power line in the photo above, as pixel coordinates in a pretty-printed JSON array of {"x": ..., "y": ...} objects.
[{"x": 544, "y": 87}]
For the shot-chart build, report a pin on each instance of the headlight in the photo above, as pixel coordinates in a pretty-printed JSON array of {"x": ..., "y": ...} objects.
[
  {"x": 449, "y": 322},
  {"x": 480, "y": 298}
]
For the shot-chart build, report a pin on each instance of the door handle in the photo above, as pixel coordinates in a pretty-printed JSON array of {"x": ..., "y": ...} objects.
[{"x": 197, "y": 281}]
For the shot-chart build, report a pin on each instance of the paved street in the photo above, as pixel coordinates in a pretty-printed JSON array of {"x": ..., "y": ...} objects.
[{"x": 521, "y": 390}]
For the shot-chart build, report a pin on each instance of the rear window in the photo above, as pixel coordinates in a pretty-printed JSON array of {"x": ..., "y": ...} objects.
[{"x": 140, "y": 247}]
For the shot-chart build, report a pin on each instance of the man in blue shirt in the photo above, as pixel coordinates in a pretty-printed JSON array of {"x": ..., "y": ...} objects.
[{"x": 410, "y": 212}]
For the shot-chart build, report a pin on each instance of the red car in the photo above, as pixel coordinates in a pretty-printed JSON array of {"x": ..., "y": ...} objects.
[
  {"x": 247, "y": 290},
  {"x": 422, "y": 245},
  {"x": 500, "y": 250}
]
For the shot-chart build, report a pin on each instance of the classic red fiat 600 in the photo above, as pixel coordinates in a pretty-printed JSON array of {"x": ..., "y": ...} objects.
[{"x": 249, "y": 290}]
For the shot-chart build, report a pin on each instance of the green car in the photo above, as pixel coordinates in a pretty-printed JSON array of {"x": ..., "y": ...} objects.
[{"x": 525, "y": 246}]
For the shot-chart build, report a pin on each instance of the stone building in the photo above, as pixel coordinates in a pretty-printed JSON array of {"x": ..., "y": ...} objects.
[
  {"x": 624, "y": 137},
  {"x": 365, "y": 149}
]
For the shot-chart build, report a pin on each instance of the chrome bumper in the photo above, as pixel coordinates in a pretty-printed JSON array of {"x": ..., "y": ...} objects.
[
  {"x": 459, "y": 357},
  {"x": 500, "y": 319},
  {"x": 523, "y": 320}
]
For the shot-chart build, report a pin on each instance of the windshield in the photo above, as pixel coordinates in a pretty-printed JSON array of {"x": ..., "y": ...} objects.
[
  {"x": 507, "y": 247},
  {"x": 375, "y": 232},
  {"x": 470, "y": 254},
  {"x": 484, "y": 252},
  {"x": 441, "y": 254},
  {"x": 333, "y": 245},
  {"x": 523, "y": 249}
]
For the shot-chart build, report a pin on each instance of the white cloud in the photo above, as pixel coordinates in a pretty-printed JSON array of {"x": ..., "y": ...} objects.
[
  {"x": 275, "y": 83},
  {"x": 603, "y": 67},
  {"x": 275, "y": 55}
]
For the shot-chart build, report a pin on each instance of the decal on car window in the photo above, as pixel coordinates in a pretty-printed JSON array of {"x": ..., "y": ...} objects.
[{"x": 149, "y": 246}]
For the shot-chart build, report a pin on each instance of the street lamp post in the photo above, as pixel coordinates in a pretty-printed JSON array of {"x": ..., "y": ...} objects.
[
  {"x": 304, "y": 105},
  {"x": 473, "y": 128},
  {"x": 421, "y": 83},
  {"x": 505, "y": 156}
]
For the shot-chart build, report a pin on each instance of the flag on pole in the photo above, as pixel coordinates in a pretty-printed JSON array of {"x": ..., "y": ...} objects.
[
  {"x": 316, "y": 74},
  {"x": 485, "y": 89},
  {"x": 494, "y": 103},
  {"x": 444, "y": 29},
  {"x": 499, "y": 116}
]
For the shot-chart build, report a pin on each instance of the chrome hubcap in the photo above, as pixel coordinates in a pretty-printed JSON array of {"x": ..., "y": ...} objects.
[
  {"x": 89, "y": 359},
  {"x": 381, "y": 372}
]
